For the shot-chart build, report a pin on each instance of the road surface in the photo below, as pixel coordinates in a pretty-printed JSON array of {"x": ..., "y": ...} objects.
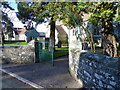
[{"x": 11, "y": 82}]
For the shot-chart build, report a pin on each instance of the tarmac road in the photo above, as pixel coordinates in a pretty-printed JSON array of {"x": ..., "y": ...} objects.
[
  {"x": 44, "y": 75},
  {"x": 11, "y": 82}
]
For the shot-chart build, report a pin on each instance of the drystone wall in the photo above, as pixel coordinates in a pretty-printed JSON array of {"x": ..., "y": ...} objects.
[
  {"x": 18, "y": 54},
  {"x": 94, "y": 70}
]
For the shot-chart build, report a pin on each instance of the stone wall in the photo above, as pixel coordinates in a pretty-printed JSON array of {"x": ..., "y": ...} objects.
[
  {"x": 18, "y": 54},
  {"x": 94, "y": 70}
]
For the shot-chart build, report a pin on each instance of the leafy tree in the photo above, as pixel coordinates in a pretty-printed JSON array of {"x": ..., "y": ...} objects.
[
  {"x": 69, "y": 12},
  {"x": 72, "y": 17},
  {"x": 36, "y": 11},
  {"x": 7, "y": 25},
  {"x": 103, "y": 14},
  {"x": 118, "y": 12}
]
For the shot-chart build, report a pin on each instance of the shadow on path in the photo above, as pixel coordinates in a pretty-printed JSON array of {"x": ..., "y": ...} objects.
[{"x": 46, "y": 75}]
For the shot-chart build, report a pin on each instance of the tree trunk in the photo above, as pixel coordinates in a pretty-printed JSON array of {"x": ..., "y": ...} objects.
[
  {"x": 52, "y": 32},
  {"x": 109, "y": 41},
  {"x": 2, "y": 39},
  {"x": 110, "y": 45}
]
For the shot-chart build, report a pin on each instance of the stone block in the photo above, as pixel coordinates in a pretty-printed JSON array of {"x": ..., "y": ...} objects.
[
  {"x": 96, "y": 70},
  {"x": 100, "y": 83},
  {"x": 100, "y": 77},
  {"x": 112, "y": 83},
  {"x": 18, "y": 54},
  {"x": 109, "y": 87}
]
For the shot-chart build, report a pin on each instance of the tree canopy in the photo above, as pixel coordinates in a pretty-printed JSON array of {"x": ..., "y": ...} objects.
[
  {"x": 102, "y": 13},
  {"x": 69, "y": 12},
  {"x": 6, "y": 21},
  {"x": 118, "y": 12}
]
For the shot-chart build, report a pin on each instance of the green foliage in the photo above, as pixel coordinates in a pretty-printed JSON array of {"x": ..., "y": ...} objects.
[
  {"x": 102, "y": 12},
  {"x": 6, "y": 21},
  {"x": 30, "y": 11},
  {"x": 60, "y": 52},
  {"x": 118, "y": 12},
  {"x": 64, "y": 40},
  {"x": 25, "y": 11},
  {"x": 71, "y": 15},
  {"x": 69, "y": 12},
  {"x": 15, "y": 44},
  {"x": 119, "y": 52}
]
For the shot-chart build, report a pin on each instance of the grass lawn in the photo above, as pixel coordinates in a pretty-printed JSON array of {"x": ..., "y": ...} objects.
[
  {"x": 119, "y": 52},
  {"x": 99, "y": 51},
  {"x": 59, "y": 52},
  {"x": 65, "y": 51},
  {"x": 15, "y": 44}
]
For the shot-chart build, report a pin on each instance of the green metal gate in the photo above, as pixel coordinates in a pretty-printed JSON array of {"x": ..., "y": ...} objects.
[{"x": 44, "y": 51}]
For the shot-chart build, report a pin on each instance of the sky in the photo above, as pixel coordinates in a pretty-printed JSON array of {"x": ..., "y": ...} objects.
[
  {"x": 13, "y": 4},
  {"x": 12, "y": 15},
  {"x": 18, "y": 24}
]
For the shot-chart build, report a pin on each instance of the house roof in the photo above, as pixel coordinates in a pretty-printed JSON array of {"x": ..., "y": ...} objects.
[
  {"x": 19, "y": 31},
  {"x": 22, "y": 31},
  {"x": 34, "y": 33},
  {"x": 18, "y": 24},
  {"x": 60, "y": 30}
]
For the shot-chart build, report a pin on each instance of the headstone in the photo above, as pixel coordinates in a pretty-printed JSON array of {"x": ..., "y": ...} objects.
[{"x": 31, "y": 43}]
